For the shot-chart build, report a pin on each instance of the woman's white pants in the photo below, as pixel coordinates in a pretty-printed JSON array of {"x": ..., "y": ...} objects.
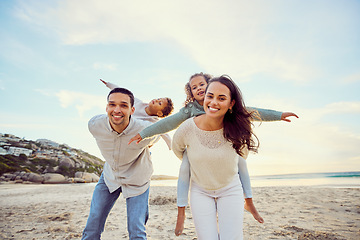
[{"x": 218, "y": 214}]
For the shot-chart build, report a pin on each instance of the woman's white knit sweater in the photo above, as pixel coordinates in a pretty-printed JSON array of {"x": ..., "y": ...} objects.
[{"x": 213, "y": 160}]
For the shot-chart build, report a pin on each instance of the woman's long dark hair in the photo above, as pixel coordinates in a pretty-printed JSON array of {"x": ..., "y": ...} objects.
[{"x": 237, "y": 122}]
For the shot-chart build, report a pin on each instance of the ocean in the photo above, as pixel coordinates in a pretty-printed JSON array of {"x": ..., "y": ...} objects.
[{"x": 332, "y": 179}]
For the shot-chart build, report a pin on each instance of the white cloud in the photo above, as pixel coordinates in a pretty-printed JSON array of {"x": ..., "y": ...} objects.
[
  {"x": 307, "y": 144},
  {"x": 342, "y": 107},
  {"x": 304, "y": 146},
  {"x": 83, "y": 102},
  {"x": 240, "y": 38},
  {"x": 353, "y": 78},
  {"x": 26, "y": 126}
]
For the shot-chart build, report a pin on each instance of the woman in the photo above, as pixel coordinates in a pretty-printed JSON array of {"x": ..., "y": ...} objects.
[
  {"x": 213, "y": 142},
  {"x": 195, "y": 91}
]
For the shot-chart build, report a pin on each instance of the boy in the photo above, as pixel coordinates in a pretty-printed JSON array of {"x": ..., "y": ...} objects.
[{"x": 152, "y": 111}]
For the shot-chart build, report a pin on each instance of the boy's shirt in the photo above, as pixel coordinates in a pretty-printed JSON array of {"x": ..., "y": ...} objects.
[{"x": 141, "y": 114}]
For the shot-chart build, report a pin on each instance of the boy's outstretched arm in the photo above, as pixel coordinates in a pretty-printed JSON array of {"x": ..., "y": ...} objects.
[{"x": 109, "y": 84}]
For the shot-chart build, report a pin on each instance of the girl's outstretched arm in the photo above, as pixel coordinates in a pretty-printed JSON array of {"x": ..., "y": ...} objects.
[
  {"x": 285, "y": 115},
  {"x": 163, "y": 126},
  {"x": 268, "y": 115}
]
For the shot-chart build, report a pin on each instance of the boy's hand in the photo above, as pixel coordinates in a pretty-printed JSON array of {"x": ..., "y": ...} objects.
[
  {"x": 137, "y": 138},
  {"x": 285, "y": 115}
]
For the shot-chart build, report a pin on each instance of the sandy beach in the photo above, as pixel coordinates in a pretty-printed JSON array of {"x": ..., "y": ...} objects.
[{"x": 31, "y": 211}]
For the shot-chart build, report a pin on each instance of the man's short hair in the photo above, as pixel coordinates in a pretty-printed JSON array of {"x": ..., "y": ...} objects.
[
  {"x": 123, "y": 91},
  {"x": 169, "y": 108}
]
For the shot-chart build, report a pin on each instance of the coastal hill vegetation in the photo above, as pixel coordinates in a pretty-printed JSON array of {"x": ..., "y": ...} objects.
[
  {"x": 18, "y": 155},
  {"x": 44, "y": 156}
]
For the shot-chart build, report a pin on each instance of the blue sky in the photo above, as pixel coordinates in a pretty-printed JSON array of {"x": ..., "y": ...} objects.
[{"x": 299, "y": 56}]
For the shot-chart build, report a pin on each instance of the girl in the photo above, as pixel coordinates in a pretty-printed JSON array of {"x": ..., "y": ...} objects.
[{"x": 213, "y": 142}]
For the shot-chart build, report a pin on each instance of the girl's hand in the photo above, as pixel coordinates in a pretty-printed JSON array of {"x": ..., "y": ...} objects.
[
  {"x": 137, "y": 138},
  {"x": 285, "y": 115}
]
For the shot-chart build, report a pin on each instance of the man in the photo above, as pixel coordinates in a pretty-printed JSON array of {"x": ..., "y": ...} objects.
[
  {"x": 152, "y": 111},
  {"x": 127, "y": 170}
]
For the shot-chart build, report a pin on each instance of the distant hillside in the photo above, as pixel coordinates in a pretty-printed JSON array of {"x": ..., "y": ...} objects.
[{"x": 44, "y": 156}]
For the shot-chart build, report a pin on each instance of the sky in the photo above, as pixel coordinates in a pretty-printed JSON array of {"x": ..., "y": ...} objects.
[{"x": 296, "y": 56}]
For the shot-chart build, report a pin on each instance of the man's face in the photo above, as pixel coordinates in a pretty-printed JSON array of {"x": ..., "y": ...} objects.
[{"x": 119, "y": 110}]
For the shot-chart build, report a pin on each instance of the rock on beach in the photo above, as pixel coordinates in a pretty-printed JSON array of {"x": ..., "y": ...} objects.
[{"x": 48, "y": 178}]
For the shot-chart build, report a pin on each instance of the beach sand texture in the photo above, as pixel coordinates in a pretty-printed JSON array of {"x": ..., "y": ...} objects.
[{"x": 30, "y": 211}]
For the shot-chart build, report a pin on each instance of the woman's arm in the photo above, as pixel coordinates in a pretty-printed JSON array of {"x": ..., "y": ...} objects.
[
  {"x": 178, "y": 142},
  {"x": 183, "y": 182},
  {"x": 244, "y": 177}
]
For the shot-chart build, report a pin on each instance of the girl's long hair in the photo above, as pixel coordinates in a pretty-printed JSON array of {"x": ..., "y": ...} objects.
[
  {"x": 189, "y": 95},
  {"x": 237, "y": 123}
]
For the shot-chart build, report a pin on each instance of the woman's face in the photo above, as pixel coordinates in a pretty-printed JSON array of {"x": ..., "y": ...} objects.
[
  {"x": 217, "y": 100},
  {"x": 197, "y": 86}
]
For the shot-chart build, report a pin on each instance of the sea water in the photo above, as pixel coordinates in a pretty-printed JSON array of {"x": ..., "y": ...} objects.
[{"x": 333, "y": 179}]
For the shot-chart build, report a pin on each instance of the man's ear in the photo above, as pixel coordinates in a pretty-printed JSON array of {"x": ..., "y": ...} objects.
[
  {"x": 132, "y": 110},
  {"x": 159, "y": 113}
]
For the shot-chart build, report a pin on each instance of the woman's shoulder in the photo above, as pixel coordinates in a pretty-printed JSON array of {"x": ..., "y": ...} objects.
[{"x": 187, "y": 124}]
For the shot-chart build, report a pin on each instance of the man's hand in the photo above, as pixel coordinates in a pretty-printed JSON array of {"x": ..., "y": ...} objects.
[
  {"x": 137, "y": 138},
  {"x": 285, "y": 115}
]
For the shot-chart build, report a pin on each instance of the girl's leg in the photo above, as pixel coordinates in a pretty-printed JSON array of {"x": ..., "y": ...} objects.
[
  {"x": 203, "y": 208},
  {"x": 230, "y": 211},
  {"x": 182, "y": 193}
]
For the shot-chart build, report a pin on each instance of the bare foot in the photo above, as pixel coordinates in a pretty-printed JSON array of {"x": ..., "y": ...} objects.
[
  {"x": 180, "y": 221},
  {"x": 250, "y": 207}
]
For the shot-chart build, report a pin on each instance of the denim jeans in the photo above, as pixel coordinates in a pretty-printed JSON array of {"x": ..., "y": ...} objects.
[{"x": 101, "y": 204}]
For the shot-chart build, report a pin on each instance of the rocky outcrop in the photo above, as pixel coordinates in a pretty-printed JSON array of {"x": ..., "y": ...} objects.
[
  {"x": 54, "y": 178},
  {"x": 88, "y": 177},
  {"x": 48, "y": 178},
  {"x": 67, "y": 162},
  {"x": 36, "y": 178}
]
